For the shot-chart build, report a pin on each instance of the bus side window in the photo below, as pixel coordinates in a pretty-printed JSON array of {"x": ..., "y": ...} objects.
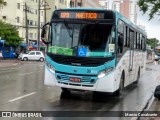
[
  {"x": 131, "y": 38},
  {"x": 120, "y": 42},
  {"x": 120, "y": 36},
  {"x": 135, "y": 40},
  {"x": 138, "y": 41},
  {"x": 125, "y": 38},
  {"x": 128, "y": 41}
]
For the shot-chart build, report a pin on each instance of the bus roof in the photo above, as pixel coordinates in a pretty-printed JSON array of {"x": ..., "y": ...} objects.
[{"x": 118, "y": 16}]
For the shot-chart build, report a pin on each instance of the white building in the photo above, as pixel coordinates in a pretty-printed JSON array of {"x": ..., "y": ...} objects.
[
  {"x": 133, "y": 11},
  {"x": 14, "y": 13},
  {"x": 116, "y": 6},
  {"x": 104, "y": 4},
  {"x": 58, "y": 4},
  {"x": 128, "y": 8}
]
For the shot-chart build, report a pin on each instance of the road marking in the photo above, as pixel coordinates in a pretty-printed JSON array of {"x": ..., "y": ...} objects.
[{"x": 12, "y": 100}]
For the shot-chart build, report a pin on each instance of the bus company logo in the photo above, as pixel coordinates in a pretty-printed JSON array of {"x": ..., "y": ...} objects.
[{"x": 6, "y": 114}]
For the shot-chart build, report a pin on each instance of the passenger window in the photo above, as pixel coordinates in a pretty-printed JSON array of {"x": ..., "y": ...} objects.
[
  {"x": 131, "y": 38},
  {"x": 38, "y": 53},
  {"x": 32, "y": 53},
  {"x": 120, "y": 36}
]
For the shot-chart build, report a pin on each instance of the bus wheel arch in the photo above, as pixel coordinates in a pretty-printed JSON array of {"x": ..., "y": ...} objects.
[{"x": 121, "y": 85}]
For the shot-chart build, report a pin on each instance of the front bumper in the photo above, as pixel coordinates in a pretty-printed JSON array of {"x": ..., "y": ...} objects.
[{"x": 105, "y": 84}]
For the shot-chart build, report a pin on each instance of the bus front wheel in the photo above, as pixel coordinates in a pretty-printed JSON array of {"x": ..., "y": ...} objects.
[{"x": 121, "y": 87}]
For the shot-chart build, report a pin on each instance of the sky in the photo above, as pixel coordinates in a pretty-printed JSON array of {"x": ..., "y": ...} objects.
[{"x": 152, "y": 26}]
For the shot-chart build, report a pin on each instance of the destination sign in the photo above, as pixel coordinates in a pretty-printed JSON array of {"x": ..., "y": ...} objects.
[
  {"x": 79, "y": 15},
  {"x": 86, "y": 15}
]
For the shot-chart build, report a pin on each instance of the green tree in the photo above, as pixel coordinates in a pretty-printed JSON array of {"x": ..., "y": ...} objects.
[
  {"x": 153, "y": 42},
  {"x": 153, "y": 6},
  {"x": 1, "y": 2},
  {"x": 9, "y": 33}
]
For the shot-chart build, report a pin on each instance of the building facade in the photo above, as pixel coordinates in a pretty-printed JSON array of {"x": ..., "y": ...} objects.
[
  {"x": 128, "y": 8},
  {"x": 58, "y": 4},
  {"x": 20, "y": 12},
  {"x": 104, "y": 4}
]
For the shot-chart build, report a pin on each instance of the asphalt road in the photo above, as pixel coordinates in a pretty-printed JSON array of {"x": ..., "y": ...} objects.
[{"x": 22, "y": 89}]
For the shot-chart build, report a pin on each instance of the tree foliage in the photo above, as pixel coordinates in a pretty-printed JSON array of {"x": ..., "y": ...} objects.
[
  {"x": 9, "y": 33},
  {"x": 1, "y": 2},
  {"x": 153, "y": 42},
  {"x": 153, "y": 6}
]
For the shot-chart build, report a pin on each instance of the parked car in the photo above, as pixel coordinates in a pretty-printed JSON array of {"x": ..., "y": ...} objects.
[{"x": 32, "y": 55}]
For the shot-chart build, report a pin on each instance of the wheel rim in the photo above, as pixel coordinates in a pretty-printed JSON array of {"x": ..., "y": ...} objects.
[
  {"x": 25, "y": 59},
  {"x": 41, "y": 59}
]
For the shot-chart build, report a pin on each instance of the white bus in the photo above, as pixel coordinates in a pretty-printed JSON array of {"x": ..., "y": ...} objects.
[{"x": 93, "y": 49}]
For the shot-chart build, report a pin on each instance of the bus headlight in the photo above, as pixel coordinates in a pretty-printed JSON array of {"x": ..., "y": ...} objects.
[
  {"x": 104, "y": 72},
  {"x": 50, "y": 67}
]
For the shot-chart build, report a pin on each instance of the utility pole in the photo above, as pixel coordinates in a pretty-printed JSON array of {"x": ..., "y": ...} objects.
[
  {"x": 45, "y": 4},
  {"x": 26, "y": 24},
  {"x": 38, "y": 30}
]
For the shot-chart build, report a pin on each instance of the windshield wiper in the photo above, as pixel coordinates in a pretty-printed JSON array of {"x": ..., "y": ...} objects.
[{"x": 68, "y": 29}]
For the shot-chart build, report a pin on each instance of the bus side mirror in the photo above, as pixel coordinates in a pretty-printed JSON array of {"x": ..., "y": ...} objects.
[{"x": 44, "y": 33}]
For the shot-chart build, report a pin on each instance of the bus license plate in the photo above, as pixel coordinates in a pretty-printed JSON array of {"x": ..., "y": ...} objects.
[{"x": 73, "y": 79}]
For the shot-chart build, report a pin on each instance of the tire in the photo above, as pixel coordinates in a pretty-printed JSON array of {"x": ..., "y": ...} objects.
[
  {"x": 25, "y": 58},
  {"x": 138, "y": 77},
  {"x": 65, "y": 90},
  {"x": 95, "y": 96},
  {"x": 121, "y": 87},
  {"x": 65, "y": 93},
  {"x": 157, "y": 92},
  {"x": 41, "y": 59}
]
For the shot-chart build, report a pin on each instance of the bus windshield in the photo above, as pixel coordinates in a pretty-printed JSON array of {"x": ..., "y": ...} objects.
[{"x": 82, "y": 40}]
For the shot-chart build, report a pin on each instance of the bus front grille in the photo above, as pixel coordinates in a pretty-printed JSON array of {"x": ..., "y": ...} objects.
[{"x": 78, "y": 61}]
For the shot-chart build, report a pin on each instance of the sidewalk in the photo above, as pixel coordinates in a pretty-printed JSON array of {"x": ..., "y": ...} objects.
[
  {"x": 155, "y": 105},
  {"x": 9, "y": 63}
]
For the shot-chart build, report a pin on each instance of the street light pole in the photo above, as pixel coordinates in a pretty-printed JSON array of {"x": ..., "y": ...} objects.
[
  {"x": 26, "y": 25},
  {"x": 38, "y": 30}
]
